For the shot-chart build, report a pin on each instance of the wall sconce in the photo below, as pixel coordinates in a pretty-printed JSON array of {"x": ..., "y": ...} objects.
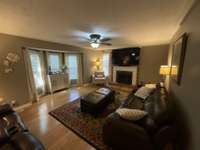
[
  {"x": 9, "y": 62},
  {"x": 98, "y": 64}
]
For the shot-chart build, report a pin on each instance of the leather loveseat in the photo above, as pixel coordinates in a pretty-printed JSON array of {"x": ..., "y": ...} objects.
[
  {"x": 14, "y": 135},
  {"x": 152, "y": 132}
]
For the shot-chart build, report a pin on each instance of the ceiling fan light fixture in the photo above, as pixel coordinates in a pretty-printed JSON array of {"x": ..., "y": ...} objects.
[{"x": 94, "y": 45}]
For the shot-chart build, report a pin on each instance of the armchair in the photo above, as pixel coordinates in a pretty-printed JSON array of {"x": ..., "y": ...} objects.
[
  {"x": 13, "y": 132},
  {"x": 99, "y": 78}
]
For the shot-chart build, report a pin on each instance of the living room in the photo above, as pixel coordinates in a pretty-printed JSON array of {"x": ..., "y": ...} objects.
[{"x": 123, "y": 78}]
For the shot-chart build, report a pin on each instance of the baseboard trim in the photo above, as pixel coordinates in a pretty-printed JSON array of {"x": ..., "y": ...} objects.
[
  {"x": 86, "y": 84},
  {"x": 22, "y": 107}
]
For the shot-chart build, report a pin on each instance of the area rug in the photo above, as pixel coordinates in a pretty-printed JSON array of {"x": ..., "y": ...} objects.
[{"x": 83, "y": 124}]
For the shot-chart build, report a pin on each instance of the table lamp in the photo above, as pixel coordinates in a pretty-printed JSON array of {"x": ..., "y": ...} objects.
[{"x": 164, "y": 71}]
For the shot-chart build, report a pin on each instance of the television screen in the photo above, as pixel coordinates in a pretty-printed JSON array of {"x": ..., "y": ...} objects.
[{"x": 126, "y": 57}]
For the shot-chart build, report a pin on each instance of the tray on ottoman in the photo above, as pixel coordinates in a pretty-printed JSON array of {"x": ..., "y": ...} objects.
[{"x": 96, "y": 101}]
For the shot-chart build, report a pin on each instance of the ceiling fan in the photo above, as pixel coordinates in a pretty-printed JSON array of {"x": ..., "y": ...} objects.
[{"x": 96, "y": 40}]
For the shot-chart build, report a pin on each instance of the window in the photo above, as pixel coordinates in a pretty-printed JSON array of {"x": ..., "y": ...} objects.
[
  {"x": 54, "y": 61},
  {"x": 106, "y": 63},
  {"x": 72, "y": 61}
]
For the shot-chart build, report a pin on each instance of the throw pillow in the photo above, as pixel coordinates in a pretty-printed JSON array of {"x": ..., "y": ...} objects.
[
  {"x": 153, "y": 86},
  {"x": 143, "y": 92},
  {"x": 131, "y": 114},
  {"x": 99, "y": 74}
]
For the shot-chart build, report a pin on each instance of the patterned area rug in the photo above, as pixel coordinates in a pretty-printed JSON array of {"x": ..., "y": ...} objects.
[{"x": 83, "y": 124}]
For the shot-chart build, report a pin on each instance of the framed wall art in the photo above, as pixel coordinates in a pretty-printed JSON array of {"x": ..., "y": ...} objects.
[{"x": 179, "y": 50}]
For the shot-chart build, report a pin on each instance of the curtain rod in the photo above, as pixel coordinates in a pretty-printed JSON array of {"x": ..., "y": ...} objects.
[{"x": 51, "y": 50}]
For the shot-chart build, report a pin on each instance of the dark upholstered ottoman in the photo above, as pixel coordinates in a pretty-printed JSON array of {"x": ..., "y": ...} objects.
[{"x": 96, "y": 101}]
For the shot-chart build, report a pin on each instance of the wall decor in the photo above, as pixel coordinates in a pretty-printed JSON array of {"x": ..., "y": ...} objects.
[
  {"x": 9, "y": 62},
  {"x": 179, "y": 50}
]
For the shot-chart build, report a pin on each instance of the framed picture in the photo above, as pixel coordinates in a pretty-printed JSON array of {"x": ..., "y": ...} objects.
[{"x": 179, "y": 50}]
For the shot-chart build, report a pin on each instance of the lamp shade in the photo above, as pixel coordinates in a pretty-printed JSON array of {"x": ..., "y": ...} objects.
[
  {"x": 164, "y": 70},
  {"x": 174, "y": 70},
  {"x": 1, "y": 99}
]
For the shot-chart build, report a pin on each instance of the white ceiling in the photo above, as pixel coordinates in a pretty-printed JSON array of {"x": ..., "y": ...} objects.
[{"x": 127, "y": 22}]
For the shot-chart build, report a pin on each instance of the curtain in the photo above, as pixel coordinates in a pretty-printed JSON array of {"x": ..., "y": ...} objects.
[
  {"x": 110, "y": 67},
  {"x": 29, "y": 76},
  {"x": 106, "y": 63},
  {"x": 80, "y": 68}
]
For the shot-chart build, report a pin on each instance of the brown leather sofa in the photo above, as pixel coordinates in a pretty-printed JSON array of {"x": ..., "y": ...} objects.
[
  {"x": 152, "y": 132},
  {"x": 14, "y": 135}
]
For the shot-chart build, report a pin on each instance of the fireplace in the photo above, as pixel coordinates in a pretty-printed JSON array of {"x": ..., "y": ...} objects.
[
  {"x": 124, "y": 77},
  {"x": 125, "y": 74}
]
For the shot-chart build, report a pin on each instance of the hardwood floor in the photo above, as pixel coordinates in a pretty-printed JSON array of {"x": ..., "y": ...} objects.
[{"x": 52, "y": 133}]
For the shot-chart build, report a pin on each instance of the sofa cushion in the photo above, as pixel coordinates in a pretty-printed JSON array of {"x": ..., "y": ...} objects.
[
  {"x": 7, "y": 146},
  {"x": 5, "y": 109},
  {"x": 148, "y": 124},
  {"x": 131, "y": 114},
  {"x": 125, "y": 134},
  {"x": 99, "y": 74},
  {"x": 133, "y": 102},
  {"x": 143, "y": 92},
  {"x": 100, "y": 78},
  {"x": 13, "y": 132},
  {"x": 11, "y": 121},
  {"x": 122, "y": 134},
  {"x": 4, "y": 136},
  {"x": 25, "y": 141},
  {"x": 157, "y": 107}
]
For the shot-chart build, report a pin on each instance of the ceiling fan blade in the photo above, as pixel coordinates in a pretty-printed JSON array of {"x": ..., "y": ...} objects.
[
  {"x": 79, "y": 38},
  {"x": 83, "y": 38},
  {"x": 105, "y": 39},
  {"x": 107, "y": 44}
]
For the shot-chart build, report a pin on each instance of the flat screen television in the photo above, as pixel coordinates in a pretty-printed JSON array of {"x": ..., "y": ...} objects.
[{"x": 126, "y": 56}]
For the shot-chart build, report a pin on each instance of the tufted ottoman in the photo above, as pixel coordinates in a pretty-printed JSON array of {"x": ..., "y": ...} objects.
[{"x": 96, "y": 101}]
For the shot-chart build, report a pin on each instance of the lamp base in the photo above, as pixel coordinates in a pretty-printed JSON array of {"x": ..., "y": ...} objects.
[{"x": 162, "y": 85}]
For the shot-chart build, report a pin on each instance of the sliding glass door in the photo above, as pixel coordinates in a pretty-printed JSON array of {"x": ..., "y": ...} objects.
[
  {"x": 73, "y": 63},
  {"x": 36, "y": 60}
]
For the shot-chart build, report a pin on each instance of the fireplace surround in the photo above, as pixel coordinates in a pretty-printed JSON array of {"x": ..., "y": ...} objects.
[{"x": 129, "y": 70}]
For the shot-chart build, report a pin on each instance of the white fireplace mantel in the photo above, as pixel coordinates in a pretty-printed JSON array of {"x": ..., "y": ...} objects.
[{"x": 132, "y": 69}]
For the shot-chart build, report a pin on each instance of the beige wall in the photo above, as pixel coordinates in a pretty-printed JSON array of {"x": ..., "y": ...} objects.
[
  {"x": 89, "y": 66},
  {"x": 13, "y": 86},
  {"x": 187, "y": 94},
  {"x": 151, "y": 58}
]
